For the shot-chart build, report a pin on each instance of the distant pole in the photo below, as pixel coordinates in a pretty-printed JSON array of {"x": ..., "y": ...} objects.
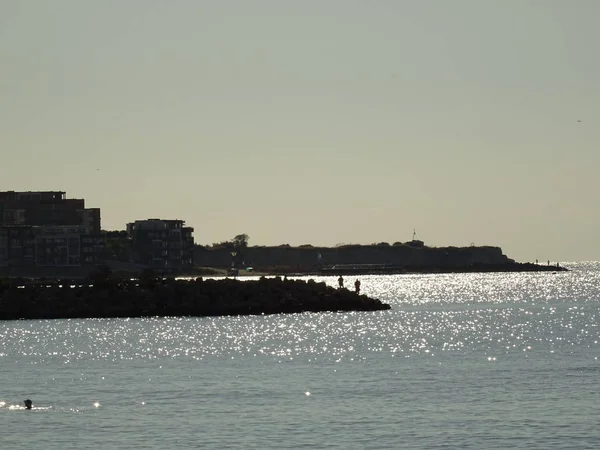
[
  {"x": 233, "y": 264},
  {"x": 414, "y": 234}
]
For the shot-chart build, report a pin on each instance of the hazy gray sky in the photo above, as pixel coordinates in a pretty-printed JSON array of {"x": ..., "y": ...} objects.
[{"x": 313, "y": 121}]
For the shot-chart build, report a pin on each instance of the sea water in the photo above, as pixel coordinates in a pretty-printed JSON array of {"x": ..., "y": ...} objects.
[{"x": 482, "y": 361}]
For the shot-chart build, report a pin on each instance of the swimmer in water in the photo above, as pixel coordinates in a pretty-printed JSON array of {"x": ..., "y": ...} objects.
[{"x": 28, "y": 404}]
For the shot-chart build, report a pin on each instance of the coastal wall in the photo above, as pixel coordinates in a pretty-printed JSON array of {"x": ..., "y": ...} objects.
[{"x": 306, "y": 258}]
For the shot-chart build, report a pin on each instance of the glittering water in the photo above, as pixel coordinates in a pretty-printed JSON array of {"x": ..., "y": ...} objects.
[{"x": 482, "y": 361}]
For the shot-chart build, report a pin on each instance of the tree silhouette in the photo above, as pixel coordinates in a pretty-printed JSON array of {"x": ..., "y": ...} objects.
[{"x": 241, "y": 241}]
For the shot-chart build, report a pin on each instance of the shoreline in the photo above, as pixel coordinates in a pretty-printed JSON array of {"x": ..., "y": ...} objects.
[
  {"x": 345, "y": 270},
  {"x": 405, "y": 270}
]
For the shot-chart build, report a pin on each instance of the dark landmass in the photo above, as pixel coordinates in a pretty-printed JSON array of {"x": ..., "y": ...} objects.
[
  {"x": 382, "y": 258},
  {"x": 149, "y": 297}
]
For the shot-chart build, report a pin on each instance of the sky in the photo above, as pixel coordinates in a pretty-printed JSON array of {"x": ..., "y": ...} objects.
[{"x": 316, "y": 121}]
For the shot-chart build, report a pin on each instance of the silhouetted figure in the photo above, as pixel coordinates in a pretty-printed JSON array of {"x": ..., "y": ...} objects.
[
  {"x": 28, "y": 404},
  {"x": 548, "y": 262},
  {"x": 357, "y": 286},
  {"x": 341, "y": 282},
  {"x": 536, "y": 261}
]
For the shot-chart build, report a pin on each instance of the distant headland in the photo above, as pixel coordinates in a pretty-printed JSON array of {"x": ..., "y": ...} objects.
[{"x": 380, "y": 258}]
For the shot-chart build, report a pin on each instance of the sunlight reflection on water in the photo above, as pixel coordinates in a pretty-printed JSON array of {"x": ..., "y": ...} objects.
[
  {"x": 431, "y": 313},
  {"x": 448, "y": 349}
]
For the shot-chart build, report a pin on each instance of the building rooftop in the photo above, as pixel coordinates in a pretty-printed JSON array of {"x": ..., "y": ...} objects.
[
  {"x": 24, "y": 195},
  {"x": 155, "y": 224}
]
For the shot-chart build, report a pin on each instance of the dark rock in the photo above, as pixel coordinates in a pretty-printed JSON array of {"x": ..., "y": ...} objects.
[{"x": 150, "y": 296}]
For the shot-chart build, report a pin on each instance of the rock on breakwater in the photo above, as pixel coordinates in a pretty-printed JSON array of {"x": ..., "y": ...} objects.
[{"x": 155, "y": 297}]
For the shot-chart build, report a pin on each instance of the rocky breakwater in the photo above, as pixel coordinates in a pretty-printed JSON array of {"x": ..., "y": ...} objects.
[{"x": 156, "y": 297}]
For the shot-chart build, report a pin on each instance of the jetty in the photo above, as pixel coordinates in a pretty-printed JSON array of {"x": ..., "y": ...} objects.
[{"x": 112, "y": 298}]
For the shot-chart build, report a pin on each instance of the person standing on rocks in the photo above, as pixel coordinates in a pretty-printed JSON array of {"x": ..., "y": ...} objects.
[
  {"x": 357, "y": 286},
  {"x": 340, "y": 282}
]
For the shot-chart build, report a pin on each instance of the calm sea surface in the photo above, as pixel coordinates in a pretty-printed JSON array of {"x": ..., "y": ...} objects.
[{"x": 482, "y": 361}]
